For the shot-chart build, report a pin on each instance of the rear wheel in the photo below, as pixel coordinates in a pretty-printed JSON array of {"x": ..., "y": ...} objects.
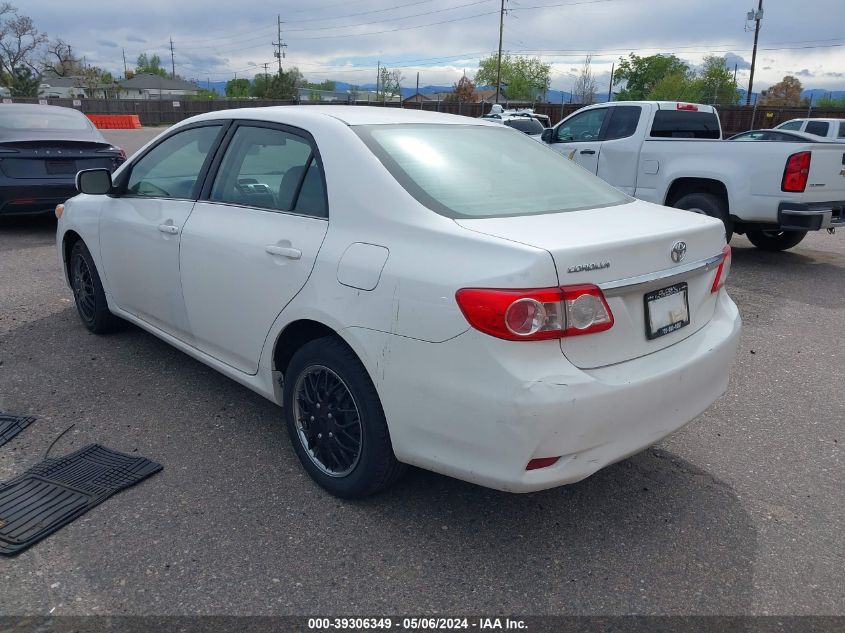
[
  {"x": 775, "y": 240},
  {"x": 88, "y": 292},
  {"x": 707, "y": 204},
  {"x": 336, "y": 422}
]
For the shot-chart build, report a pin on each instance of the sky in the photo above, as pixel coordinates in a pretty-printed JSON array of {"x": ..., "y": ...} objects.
[{"x": 344, "y": 41}]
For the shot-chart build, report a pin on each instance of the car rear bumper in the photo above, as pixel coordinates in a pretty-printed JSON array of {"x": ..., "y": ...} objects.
[
  {"x": 811, "y": 217},
  {"x": 479, "y": 409},
  {"x": 35, "y": 196}
]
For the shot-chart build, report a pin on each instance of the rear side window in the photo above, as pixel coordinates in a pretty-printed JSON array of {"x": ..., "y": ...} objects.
[
  {"x": 623, "y": 122},
  {"x": 819, "y": 128},
  {"x": 685, "y": 124},
  {"x": 790, "y": 125},
  {"x": 270, "y": 169}
]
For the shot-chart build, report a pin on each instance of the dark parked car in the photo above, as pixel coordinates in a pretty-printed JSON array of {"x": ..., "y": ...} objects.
[{"x": 41, "y": 149}]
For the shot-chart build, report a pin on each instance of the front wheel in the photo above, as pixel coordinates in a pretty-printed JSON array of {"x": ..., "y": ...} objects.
[
  {"x": 88, "y": 293},
  {"x": 707, "y": 204},
  {"x": 336, "y": 422},
  {"x": 775, "y": 240}
]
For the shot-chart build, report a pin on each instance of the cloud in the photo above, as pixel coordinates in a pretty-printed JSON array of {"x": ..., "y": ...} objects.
[
  {"x": 804, "y": 73},
  {"x": 135, "y": 38},
  {"x": 731, "y": 59},
  {"x": 108, "y": 43}
]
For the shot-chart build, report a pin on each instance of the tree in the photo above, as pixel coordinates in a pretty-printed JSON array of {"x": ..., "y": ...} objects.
[
  {"x": 677, "y": 86},
  {"x": 203, "y": 95},
  {"x": 641, "y": 74},
  {"x": 58, "y": 60},
  {"x": 285, "y": 83},
  {"x": 150, "y": 65},
  {"x": 523, "y": 78},
  {"x": 23, "y": 83},
  {"x": 716, "y": 83},
  {"x": 463, "y": 91},
  {"x": 91, "y": 79},
  {"x": 786, "y": 92},
  {"x": 584, "y": 91},
  {"x": 260, "y": 86},
  {"x": 237, "y": 88},
  {"x": 828, "y": 101},
  {"x": 389, "y": 84},
  {"x": 19, "y": 42}
]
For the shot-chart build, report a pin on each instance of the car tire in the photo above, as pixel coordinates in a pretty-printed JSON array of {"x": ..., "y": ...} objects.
[
  {"x": 707, "y": 204},
  {"x": 775, "y": 240},
  {"x": 88, "y": 293},
  {"x": 328, "y": 395}
]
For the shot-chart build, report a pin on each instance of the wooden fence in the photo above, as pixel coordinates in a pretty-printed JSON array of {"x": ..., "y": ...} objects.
[{"x": 167, "y": 111}]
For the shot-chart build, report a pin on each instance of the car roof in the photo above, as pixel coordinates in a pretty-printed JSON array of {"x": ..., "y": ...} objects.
[
  {"x": 347, "y": 114},
  {"x": 36, "y": 107}
]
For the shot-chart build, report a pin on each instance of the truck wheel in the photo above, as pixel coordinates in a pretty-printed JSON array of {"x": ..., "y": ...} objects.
[
  {"x": 707, "y": 204},
  {"x": 775, "y": 240}
]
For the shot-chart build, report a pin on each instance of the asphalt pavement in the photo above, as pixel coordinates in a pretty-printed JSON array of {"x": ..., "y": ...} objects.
[{"x": 741, "y": 512}]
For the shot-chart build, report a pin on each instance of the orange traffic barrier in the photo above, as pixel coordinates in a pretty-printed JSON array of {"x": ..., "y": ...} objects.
[{"x": 115, "y": 121}]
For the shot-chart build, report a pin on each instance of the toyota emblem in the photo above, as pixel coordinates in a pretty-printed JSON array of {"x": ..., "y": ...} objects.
[{"x": 679, "y": 251}]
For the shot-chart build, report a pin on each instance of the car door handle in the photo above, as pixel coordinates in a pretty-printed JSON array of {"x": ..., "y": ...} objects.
[
  {"x": 170, "y": 229},
  {"x": 588, "y": 151},
  {"x": 284, "y": 251}
]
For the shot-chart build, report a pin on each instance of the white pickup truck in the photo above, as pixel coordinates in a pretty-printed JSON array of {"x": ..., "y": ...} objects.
[
  {"x": 832, "y": 130},
  {"x": 671, "y": 153}
]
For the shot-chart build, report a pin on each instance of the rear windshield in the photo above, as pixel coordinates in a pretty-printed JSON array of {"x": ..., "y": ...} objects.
[
  {"x": 475, "y": 171},
  {"x": 685, "y": 124},
  {"x": 527, "y": 125},
  {"x": 43, "y": 119}
]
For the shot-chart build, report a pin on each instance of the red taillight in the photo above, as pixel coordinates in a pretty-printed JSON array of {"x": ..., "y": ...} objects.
[
  {"x": 723, "y": 270},
  {"x": 536, "y": 314},
  {"x": 796, "y": 172},
  {"x": 541, "y": 462},
  {"x": 687, "y": 106}
]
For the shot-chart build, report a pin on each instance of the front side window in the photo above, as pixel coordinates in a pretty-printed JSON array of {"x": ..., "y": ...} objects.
[
  {"x": 582, "y": 127},
  {"x": 270, "y": 169},
  {"x": 819, "y": 128},
  {"x": 172, "y": 168},
  {"x": 841, "y": 129},
  {"x": 474, "y": 171}
]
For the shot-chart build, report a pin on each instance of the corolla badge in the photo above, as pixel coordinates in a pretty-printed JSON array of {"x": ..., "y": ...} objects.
[
  {"x": 679, "y": 251},
  {"x": 591, "y": 266}
]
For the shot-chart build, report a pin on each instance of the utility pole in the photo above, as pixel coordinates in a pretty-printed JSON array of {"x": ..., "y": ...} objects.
[
  {"x": 419, "y": 98},
  {"x": 757, "y": 17},
  {"x": 499, "y": 58},
  {"x": 278, "y": 53},
  {"x": 378, "y": 75},
  {"x": 124, "y": 63},
  {"x": 610, "y": 87},
  {"x": 172, "y": 61}
]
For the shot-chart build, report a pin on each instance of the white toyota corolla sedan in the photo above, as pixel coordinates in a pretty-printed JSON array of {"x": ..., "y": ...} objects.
[{"x": 413, "y": 288}]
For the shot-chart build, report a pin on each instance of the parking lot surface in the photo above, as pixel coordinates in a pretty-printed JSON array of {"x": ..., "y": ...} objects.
[{"x": 741, "y": 512}]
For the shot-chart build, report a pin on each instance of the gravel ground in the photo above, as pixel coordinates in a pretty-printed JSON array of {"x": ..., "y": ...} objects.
[{"x": 741, "y": 512}]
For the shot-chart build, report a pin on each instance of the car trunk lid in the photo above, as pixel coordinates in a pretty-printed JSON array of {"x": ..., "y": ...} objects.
[{"x": 627, "y": 251}]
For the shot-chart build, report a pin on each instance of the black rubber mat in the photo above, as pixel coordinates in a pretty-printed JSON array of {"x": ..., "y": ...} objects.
[
  {"x": 11, "y": 425},
  {"x": 54, "y": 492}
]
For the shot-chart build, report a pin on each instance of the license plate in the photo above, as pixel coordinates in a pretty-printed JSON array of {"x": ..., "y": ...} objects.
[
  {"x": 55, "y": 167},
  {"x": 666, "y": 310}
]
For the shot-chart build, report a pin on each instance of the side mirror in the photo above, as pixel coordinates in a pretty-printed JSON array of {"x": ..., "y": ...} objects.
[
  {"x": 548, "y": 135},
  {"x": 96, "y": 182}
]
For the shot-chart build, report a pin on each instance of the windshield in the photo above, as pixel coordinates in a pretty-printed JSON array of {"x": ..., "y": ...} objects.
[
  {"x": 43, "y": 119},
  {"x": 475, "y": 171},
  {"x": 525, "y": 124}
]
